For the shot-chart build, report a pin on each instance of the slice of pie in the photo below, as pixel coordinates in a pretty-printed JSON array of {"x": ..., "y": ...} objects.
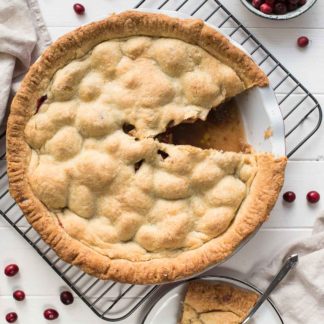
[
  {"x": 220, "y": 303},
  {"x": 86, "y": 166}
]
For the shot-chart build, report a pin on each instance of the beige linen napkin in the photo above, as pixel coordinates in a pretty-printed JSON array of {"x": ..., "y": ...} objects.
[
  {"x": 300, "y": 296},
  {"x": 23, "y": 36}
]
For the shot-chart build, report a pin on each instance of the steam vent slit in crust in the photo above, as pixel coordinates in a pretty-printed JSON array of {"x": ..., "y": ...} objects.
[{"x": 86, "y": 167}]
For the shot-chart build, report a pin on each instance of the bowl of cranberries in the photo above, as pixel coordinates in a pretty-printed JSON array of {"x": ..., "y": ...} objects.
[{"x": 278, "y": 9}]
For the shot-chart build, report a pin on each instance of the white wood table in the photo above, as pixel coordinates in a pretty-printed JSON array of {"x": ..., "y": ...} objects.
[{"x": 288, "y": 222}]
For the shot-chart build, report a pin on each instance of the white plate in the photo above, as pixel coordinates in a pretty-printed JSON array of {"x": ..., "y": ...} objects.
[
  {"x": 258, "y": 107},
  {"x": 167, "y": 308}
]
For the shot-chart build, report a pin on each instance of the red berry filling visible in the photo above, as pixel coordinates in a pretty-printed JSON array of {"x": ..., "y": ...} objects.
[
  {"x": 66, "y": 298},
  {"x": 313, "y": 197},
  {"x": 51, "y": 314},
  {"x": 289, "y": 196},
  {"x": 302, "y": 41},
  {"x": 11, "y": 270},
  {"x": 19, "y": 295},
  {"x": 11, "y": 317},
  {"x": 279, "y": 7},
  {"x": 79, "y": 8}
]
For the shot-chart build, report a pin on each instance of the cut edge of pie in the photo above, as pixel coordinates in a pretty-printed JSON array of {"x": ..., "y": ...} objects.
[
  {"x": 218, "y": 303},
  {"x": 252, "y": 213}
]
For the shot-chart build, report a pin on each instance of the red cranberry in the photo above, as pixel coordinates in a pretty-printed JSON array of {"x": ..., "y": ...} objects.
[
  {"x": 292, "y": 7},
  {"x": 79, "y": 8},
  {"x": 270, "y": 2},
  {"x": 313, "y": 197},
  {"x": 302, "y": 2},
  {"x": 257, "y": 3},
  {"x": 265, "y": 8},
  {"x": 280, "y": 8},
  {"x": 293, "y": 2},
  {"x": 19, "y": 295},
  {"x": 289, "y": 196},
  {"x": 302, "y": 41},
  {"x": 11, "y": 270},
  {"x": 51, "y": 314},
  {"x": 66, "y": 298},
  {"x": 11, "y": 317}
]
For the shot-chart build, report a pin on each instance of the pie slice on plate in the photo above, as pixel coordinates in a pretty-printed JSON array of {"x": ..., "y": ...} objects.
[
  {"x": 86, "y": 166},
  {"x": 221, "y": 303}
]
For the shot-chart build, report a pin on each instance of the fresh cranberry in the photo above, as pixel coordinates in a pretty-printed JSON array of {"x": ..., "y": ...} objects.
[
  {"x": 79, "y": 8},
  {"x": 66, "y": 298},
  {"x": 257, "y": 3},
  {"x": 302, "y": 41},
  {"x": 265, "y": 8},
  {"x": 19, "y": 295},
  {"x": 11, "y": 270},
  {"x": 289, "y": 196},
  {"x": 270, "y": 2},
  {"x": 302, "y": 2},
  {"x": 293, "y": 2},
  {"x": 11, "y": 317},
  {"x": 51, "y": 314},
  {"x": 292, "y": 7},
  {"x": 313, "y": 197},
  {"x": 280, "y": 8}
]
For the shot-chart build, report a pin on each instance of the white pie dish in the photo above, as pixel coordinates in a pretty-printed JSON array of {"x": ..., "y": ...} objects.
[{"x": 258, "y": 107}]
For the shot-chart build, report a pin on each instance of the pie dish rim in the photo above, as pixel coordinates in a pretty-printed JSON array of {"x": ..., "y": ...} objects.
[{"x": 73, "y": 251}]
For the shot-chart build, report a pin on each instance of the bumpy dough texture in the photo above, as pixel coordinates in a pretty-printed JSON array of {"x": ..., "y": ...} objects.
[
  {"x": 220, "y": 303},
  {"x": 117, "y": 189}
]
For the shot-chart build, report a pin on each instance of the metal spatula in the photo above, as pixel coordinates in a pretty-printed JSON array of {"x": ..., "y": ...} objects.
[{"x": 287, "y": 266}]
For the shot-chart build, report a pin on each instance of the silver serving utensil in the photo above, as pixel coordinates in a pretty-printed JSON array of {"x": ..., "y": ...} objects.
[{"x": 287, "y": 266}]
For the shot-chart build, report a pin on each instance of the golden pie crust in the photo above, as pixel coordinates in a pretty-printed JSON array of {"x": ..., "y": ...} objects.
[
  {"x": 91, "y": 177},
  {"x": 216, "y": 303}
]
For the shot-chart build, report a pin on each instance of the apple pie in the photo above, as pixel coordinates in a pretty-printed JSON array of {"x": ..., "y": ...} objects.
[
  {"x": 216, "y": 303},
  {"x": 86, "y": 165}
]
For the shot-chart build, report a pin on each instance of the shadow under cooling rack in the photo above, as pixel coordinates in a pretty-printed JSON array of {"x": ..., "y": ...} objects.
[{"x": 302, "y": 114}]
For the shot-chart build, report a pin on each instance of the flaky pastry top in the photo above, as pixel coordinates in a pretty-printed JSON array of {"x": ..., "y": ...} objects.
[
  {"x": 97, "y": 167},
  {"x": 86, "y": 168}
]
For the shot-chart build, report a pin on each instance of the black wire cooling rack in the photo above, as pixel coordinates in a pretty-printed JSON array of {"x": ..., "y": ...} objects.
[{"x": 302, "y": 114}]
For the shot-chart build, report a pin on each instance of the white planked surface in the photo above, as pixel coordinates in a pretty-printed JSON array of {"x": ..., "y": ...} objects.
[{"x": 287, "y": 223}]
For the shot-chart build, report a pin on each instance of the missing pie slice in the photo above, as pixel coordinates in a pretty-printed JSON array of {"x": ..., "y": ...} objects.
[
  {"x": 88, "y": 171},
  {"x": 220, "y": 303}
]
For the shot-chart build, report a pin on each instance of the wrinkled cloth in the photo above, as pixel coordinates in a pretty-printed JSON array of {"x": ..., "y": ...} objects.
[
  {"x": 23, "y": 36},
  {"x": 300, "y": 296}
]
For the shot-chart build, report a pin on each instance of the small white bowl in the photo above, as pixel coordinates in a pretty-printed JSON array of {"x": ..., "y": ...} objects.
[{"x": 288, "y": 15}]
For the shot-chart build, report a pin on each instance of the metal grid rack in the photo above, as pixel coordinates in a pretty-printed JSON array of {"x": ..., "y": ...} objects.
[{"x": 112, "y": 301}]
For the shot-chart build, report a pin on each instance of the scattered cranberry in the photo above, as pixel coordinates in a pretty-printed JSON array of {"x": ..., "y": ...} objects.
[
  {"x": 79, "y": 8},
  {"x": 313, "y": 197},
  {"x": 289, "y": 196},
  {"x": 19, "y": 295},
  {"x": 11, "y": 317},
  {"x": 265, "y": 8},
  {"x": 66, "y": 298},
  {"x": 302, "y": 41},
  {"x": 51, "y": 314},
  {"x": 11, "y": 270}
]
